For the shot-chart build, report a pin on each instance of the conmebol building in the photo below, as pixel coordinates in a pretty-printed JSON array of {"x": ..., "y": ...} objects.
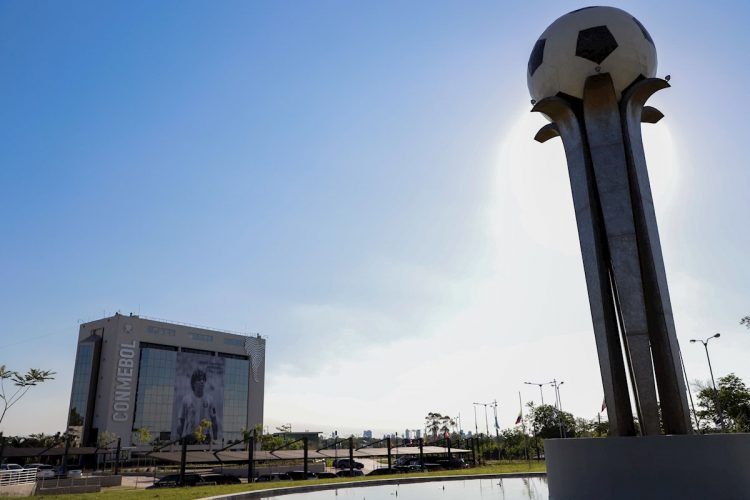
[{"x": 134, "y": 373}]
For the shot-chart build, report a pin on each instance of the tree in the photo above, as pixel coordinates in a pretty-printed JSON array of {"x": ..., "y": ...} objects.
[
  {"x": 745, "y": 321},
  {"x": 733, "y": 398},
  {"x": 201, "y": 433},
  {"x": 106, "y": 438},
  {"x": 547, "y": 420},
  {"x": 514, "y": 444},
  {"x": 40, "y": 440},
  {"x": 591, "y": 428},
  {"x": 22, "y": 382},
  {"x": 436, "y": 422},
  {"x": 267, "y": 441},
  {"x": 143, "y": 435}
]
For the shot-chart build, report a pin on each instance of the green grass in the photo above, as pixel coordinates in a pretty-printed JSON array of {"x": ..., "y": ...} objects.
[{"x": 122, "y": 493}]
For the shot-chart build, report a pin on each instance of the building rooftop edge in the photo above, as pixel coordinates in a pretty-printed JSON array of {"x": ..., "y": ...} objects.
[{"x": 170, "y": 322}]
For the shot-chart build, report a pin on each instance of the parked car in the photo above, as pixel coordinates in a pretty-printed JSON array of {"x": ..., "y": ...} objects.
[
  {"x": 70, "y": 471},
  {"x": 270, "y": 478},
  {"x": 414, "y": 465},
  {"x": 298, "y": 475},
  {"x": 173, "y": 480},
  {"x": 43, "y": 471},
  {"x": 216, "y": 478},
  {"x": 383, "y": 471},
  {"x": 10, "y": 467},
  {"x": 350, "y": 473},
  {"x": 343, "y": 463},
  {"x": 453, "y": 463},
  {"x": 326, "y": 475}
]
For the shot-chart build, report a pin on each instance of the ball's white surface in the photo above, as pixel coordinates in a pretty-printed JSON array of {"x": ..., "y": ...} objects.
[{"x": 562, "y": 71}]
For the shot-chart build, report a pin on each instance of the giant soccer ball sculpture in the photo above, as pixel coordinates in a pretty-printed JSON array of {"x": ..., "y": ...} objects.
[
  {"x": 591, "y": 73},
  {"x": 588, "y": 42}
]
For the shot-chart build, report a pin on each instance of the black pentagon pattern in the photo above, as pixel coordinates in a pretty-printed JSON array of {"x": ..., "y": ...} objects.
[
  {"x": 644, "y": 30},
  {"x": 595, "y": 44},
  {"x": 537, "y": 54},
  {"x": 582, "y": 8}
]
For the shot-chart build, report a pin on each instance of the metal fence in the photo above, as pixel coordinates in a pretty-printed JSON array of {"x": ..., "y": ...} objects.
[{"x": 13, "y": 477}]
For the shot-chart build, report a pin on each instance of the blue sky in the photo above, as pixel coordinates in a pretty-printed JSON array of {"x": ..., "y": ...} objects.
[{"x": 357, "y": 182}]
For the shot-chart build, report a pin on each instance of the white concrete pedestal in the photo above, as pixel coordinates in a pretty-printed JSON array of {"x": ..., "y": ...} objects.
[{"x": 715, "y": 467}]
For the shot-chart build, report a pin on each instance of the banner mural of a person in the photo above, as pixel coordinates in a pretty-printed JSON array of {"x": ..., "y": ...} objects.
[{"x": 198, "y": 396}]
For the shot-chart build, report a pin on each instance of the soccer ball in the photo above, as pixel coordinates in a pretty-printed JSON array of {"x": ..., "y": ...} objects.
[{"x": 586, "y": 42}]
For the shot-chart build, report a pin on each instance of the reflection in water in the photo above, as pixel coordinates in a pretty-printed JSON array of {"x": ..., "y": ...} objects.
[{"x": 470, "y": 489}]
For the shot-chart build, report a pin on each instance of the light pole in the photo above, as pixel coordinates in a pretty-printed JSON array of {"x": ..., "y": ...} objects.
[
  {"x": 476, "y": 428},
  {"x": 558, "y": 404},
  {"x": 541, "y": 394},
  {"x": 711, "y": 371},
  {"x": 486, "y": 420}
]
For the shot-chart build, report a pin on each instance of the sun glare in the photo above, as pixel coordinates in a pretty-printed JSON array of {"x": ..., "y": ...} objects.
[{"x": 535, "y": 177}]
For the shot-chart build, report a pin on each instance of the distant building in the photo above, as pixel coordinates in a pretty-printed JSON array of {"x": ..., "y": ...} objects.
[
  {"x": 133, "y": 373},
  {"x": 407, "y": 434},
  {"x": 367, "y": 434},
  {"x": 419, "y": 434}
]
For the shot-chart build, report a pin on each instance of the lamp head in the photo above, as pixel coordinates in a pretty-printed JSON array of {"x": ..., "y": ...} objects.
[
  {"x": 717, "y": 335},
  {"x": 692, "y": 341}
]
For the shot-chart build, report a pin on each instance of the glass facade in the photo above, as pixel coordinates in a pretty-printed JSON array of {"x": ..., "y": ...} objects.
[
  {"x": 236, "y": 372},
  {"x": 81, "y": 384},
  {"x": 155, "y": 393}
]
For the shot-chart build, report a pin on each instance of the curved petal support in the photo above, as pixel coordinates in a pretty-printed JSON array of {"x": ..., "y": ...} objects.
[
  {"x": 664, "y": 345},
  {"x": 546, "y": 133},
  {"x": 651, "y": 115}
]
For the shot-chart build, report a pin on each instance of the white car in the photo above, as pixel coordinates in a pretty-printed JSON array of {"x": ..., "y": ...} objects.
[
  {"x": 43, "y": 471},
  {"x": 10, "y": 467}
]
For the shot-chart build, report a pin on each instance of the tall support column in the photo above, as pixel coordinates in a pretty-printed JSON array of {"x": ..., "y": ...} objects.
[
  {"x": 664, "y": 345},
  {"x": 593, "y": 244},
  {"x": 606, "y": 145}
]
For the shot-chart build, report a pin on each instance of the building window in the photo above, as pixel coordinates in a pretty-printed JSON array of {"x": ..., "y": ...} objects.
[
  {"x": 202, "y": 337},
  {"x": 236, "y": 373},
  {"x": 155, "y": 393}
]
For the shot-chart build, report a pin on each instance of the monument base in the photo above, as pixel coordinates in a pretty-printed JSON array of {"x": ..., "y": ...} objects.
[{"x": 715, "y": 466}]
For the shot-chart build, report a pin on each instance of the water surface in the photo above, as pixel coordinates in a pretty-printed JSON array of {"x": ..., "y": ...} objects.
[{"x": 470, "y": 489}]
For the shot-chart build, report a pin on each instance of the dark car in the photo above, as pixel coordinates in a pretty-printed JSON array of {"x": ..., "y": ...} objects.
[
  {"x": 326, "y": 475},
  {"x": 270, "y": 478},
  {"x": 221, "y": 479},
  {"x": 173, "y": 480},
  {"x": 298, "y": 475},
  {"x": 414, "y": 465},
  {"x": 383, "y": 471},
  {"x": 350, "y": 473},
  {"x": 343, "y": 463},
  {"x": 453, "y": 463}
]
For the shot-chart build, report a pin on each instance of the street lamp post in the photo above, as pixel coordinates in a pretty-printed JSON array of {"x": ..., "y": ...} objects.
[
  {"x": 541, "y": 394},
  {"x": 558, "y": 404},
  {"x": 486, "y": 421},
  {"x": 711, "y": 371},
  {"x": 476, "y": 428}
]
